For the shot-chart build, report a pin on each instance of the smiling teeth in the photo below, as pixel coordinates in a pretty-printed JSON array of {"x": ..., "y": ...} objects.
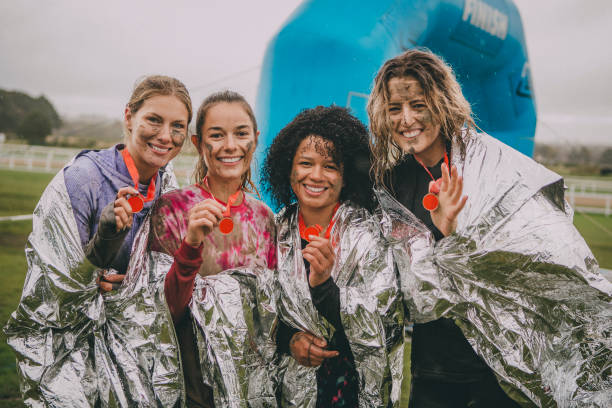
[
  {"x": 159, "y": 149},
  {"x": 412, "y": 133},
  {"x": 229, "y": 159},
  {"x": 315, "y": 189}
]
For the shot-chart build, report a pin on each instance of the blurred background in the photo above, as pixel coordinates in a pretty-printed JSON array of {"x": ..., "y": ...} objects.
[{"x": 67, "y": 69}]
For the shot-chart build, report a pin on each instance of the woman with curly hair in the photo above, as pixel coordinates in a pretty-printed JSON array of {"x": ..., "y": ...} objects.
[{"x": 339, "y": 305}]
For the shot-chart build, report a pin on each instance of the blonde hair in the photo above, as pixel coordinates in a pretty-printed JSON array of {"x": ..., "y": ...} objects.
[
  {"x": 156, "y": 85},
  {"x": 443, "y": 97},
  {"x": 224, "y": 97}
]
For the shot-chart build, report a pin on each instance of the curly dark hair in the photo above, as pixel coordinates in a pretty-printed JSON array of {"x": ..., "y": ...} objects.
[{"x": 348, "y": 147}]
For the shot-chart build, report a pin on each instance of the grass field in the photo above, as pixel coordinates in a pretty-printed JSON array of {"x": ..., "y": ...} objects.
[{"x": 19, "y": 193}]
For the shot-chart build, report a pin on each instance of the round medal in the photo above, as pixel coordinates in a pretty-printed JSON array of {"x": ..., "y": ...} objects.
[
  {"x": 226, "y": 225},
  {"x": 136, "y": 202},
  {"x": 312, "y": 230},
  {"x": 430, "y": 202}
]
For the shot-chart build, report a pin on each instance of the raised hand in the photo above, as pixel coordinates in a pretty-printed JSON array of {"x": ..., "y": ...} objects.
[
  {"x": 451, "y": 201},
  {"x": 203, "y": 217},
  {"x": 320, "y": 254},
  {"x": 309, "y": 350},
  {"x": 123, "y": 209}
]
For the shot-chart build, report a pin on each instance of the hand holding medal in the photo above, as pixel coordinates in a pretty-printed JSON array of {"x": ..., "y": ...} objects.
[
  {"x": 123, "y": 209},
  {"x": 210, "y": 214},
  {"x": 135, "y": 199},
  {"x": 203, "y": 218},
  {"x": 450, "y": 199},
  {"x": 319, "y": 252}
]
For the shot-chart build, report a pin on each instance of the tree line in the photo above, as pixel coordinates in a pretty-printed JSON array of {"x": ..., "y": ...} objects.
[{"x": 32, "y": 119}]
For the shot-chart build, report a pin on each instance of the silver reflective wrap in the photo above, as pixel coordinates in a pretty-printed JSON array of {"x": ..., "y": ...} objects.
[
  {"x": 234, "y": 314},
  {"x": 370, "y": 307},
  {"x": 517, "y": 276},
  {"x": 76, "y": 347}
]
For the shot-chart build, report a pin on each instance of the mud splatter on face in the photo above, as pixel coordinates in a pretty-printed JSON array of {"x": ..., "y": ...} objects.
[
  {"x": 209, "y": 147},
  {"x": 426, "y": 116},
  {"x": 178, "y": 137}
]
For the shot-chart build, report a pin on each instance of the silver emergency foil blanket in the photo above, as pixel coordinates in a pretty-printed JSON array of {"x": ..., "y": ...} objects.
[
  {"x": 518, "y": 278},
  {"x": 235, "y": 318},
  {"x": 76, "y": 347},
  {"x": 370, "y": 307}
]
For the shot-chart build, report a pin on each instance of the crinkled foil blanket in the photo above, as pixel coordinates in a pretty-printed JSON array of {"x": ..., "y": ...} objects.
[
  {"x": 517, "y": 277},
  {"x": 371, "y": 309},
  {"x": 76, "y": 347}
]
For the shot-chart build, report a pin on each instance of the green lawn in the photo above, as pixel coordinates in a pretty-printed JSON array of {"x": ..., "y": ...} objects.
[
  {"x": 597, "y": 232},
  {"x": 13, "y": 236},
  {"x": 19, "y": 193}
]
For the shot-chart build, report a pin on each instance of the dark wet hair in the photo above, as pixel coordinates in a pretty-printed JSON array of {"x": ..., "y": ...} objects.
[{"x": 347, "y": 144}]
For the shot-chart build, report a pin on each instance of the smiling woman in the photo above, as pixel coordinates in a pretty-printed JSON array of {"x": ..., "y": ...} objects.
[
  {"x": 100, "y": 183},
  {"x": 339, "y": 302},
  {"x": 92, "y": 210},
  {"x": 210, "y": 227}
]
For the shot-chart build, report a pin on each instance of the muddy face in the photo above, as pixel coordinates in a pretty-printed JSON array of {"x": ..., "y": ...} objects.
[
  {"x": 315, "y": 178},
  {"x": 228, "y": 142},
  {"x": 157, "y": 132},
  {"x": 413, "y": 127}
]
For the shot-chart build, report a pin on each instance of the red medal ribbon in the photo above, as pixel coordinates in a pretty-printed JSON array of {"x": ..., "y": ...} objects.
[
  {"x": 137, "y": 201},
  {"x": 306, "y": 232},
  {"x": 226, "y": 225},
  {"x": 430, "y": 201}
]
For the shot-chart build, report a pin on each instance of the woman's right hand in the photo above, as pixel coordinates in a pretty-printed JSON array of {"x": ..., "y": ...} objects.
[
  {"x": 309, "y": 350},
  {"x": 123, "y": 209},
  {"x": 203, "y": 217}
]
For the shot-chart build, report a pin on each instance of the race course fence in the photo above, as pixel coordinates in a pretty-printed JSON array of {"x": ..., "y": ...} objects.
[
  {"x": 46, "y": 159},
  {"x": 590, "y": 195}
]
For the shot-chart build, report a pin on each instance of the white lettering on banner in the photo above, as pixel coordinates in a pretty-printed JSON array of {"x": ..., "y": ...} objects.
[{"x": 486, "y": 17}]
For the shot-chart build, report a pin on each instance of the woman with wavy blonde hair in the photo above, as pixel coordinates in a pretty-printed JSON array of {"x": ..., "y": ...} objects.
[{"x": 420, "y": 119}]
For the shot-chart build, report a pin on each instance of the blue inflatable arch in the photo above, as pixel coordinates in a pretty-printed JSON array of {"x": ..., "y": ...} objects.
[{"x": 329, "y": 51}]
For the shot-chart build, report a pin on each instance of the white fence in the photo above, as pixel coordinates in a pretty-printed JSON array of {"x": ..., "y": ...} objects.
[
  {"x": 51, "y": 159},
  {"x": 590, "y": 195},
  {"x": 584, "y": 194}
]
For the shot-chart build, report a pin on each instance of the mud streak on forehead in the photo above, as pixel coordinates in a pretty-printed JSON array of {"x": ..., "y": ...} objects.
[
  {"x": 404, "y": 88},
  {"x": 320, "y": 145}
]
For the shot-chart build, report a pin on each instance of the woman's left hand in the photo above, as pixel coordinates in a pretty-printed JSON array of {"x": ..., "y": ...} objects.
[
  {"x": 451, "y": 202},
  {"x": 309, "y": 350},
  {"x": 320, "y": 254},
  {"x": 107, "y": 283}
]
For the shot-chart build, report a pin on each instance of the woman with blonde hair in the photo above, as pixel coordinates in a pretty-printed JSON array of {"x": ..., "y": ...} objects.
[
  {"x": 490, "y": 280},
  {"x": 90, "y": 214}
]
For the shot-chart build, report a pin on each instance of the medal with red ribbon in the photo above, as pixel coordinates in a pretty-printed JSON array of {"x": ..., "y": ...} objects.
[
  {"x": 307, "y": 232},
  {"x": 137, "y": 201},
  {"x": 226, "y": 225},
  {"x": 431, "y": 201}
]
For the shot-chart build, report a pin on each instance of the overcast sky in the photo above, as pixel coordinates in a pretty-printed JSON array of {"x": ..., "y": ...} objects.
[{"x": 86, "y": 55}]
